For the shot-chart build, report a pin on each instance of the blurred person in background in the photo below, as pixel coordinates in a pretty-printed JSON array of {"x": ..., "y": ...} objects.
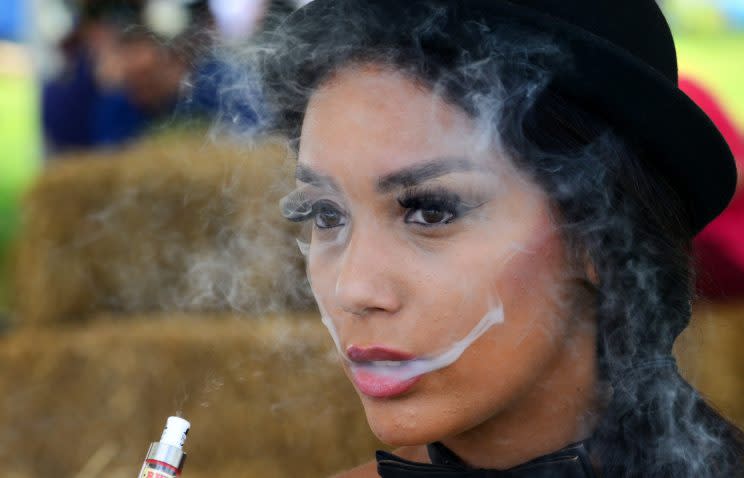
[
  {"x": 123, "y": 66},
  {"x": 131, "y": 62},
  {"x": 204, "y": 92}
]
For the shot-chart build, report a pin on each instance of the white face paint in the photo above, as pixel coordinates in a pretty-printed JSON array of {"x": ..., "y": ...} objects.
[{"x": 407, "y": 369}]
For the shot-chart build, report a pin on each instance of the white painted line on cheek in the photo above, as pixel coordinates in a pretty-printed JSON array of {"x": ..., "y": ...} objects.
[{"x": 407, "y": 369}]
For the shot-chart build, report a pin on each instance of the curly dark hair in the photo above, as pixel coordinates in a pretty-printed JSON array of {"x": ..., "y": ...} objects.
[{"x": 615, "y": 209}]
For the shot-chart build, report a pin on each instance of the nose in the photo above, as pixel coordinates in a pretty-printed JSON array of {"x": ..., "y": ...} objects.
[{"x": 366, "y": 281}]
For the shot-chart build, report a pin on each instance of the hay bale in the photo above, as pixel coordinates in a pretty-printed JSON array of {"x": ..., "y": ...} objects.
[
  {"x": 174, "y": 223},
  {"x": 711, "y": 356},
  {"x": 266, "y": 397}
]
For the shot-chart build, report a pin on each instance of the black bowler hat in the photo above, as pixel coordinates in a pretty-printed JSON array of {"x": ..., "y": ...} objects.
[{"x": 624, "y": 67}]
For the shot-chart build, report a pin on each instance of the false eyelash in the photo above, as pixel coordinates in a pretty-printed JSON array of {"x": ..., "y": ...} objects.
[
  {"x": 435, "y": 198},
  {"x": 296, "y": 207}
]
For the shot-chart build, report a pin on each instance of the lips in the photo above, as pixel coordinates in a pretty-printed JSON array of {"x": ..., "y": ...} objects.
[
  {"x": 376, "y": 353},
  {"x": 371, "y": 379}
]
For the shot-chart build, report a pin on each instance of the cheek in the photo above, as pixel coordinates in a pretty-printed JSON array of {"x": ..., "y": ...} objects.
[
  {"x": 324, "y": 260},
  {"x": 316, "y": 273},
  {"x": 535, "y": 294},
  {"x": 509, "y": 359},
  {"x": 535, "y": 290},
  {"x": 534, "y": 285}
]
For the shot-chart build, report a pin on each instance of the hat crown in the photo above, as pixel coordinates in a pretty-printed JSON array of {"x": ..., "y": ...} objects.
[{"x": 637, "y": 26}]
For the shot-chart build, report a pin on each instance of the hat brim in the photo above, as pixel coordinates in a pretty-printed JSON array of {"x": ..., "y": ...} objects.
[{"x": 681, "y": 141}]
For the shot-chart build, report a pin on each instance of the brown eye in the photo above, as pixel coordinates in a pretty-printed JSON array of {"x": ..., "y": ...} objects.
[
  {"x": 433, "y": 216},
  {"x": 430, "y": 216},
  {"x": 327, "y": 216},
  {"x": 432, "y": 208}
]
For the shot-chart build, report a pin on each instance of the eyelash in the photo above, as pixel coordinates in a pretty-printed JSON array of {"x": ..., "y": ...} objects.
[
  {"x": 433, "y": 199},
  {"x": 299, "y": 208},
  {"x": 302, "y": 209}
]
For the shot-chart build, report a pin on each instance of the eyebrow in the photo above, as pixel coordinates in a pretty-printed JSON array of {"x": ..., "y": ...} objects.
[
  {"x": 403, "y": 178},
  {"x": 308, "y": 176},
  {"x": 418, "y": 173}
]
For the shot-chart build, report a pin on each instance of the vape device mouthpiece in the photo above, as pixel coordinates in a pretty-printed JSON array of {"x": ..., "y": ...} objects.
[
  {"x": 165, "y": 458},
  {"x": 176, "y": 429}
]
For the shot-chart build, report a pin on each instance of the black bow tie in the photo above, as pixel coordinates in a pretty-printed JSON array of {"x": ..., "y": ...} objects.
[{"x": 570, "y": 462}]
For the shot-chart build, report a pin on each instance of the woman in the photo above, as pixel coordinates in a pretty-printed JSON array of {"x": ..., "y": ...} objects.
[{"x": 500, "y": 199}]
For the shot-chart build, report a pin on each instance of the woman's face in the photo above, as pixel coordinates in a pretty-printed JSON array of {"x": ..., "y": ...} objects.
[{"x": 419, "y": 229}]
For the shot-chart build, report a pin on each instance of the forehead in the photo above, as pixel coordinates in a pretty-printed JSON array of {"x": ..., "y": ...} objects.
[{"x": 378, "y": 120}]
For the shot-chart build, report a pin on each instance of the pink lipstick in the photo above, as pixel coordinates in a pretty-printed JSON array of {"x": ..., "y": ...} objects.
[{"x": 376, "y": 380}]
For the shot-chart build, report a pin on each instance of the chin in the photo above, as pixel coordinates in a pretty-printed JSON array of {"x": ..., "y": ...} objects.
[
  {"x": 403, "y": 422},
  {"x": 395, "y": 437}
]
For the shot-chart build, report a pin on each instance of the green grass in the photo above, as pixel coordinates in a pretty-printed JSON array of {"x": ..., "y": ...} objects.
[
  {"x": 19, "y": 159},
  {"x": 716, "y": 59}
]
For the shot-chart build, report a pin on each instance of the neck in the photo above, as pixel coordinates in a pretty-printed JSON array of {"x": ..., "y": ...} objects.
[{"x": 560, "y": 408}]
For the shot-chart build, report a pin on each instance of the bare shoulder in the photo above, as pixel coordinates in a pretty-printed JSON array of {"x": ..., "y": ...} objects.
[{"x": 369, "y": 469}]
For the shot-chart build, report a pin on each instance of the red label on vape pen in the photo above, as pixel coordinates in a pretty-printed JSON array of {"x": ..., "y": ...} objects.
[
  {"x": 156, "y": 474},
  {"x": 158, "y": 469}
]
